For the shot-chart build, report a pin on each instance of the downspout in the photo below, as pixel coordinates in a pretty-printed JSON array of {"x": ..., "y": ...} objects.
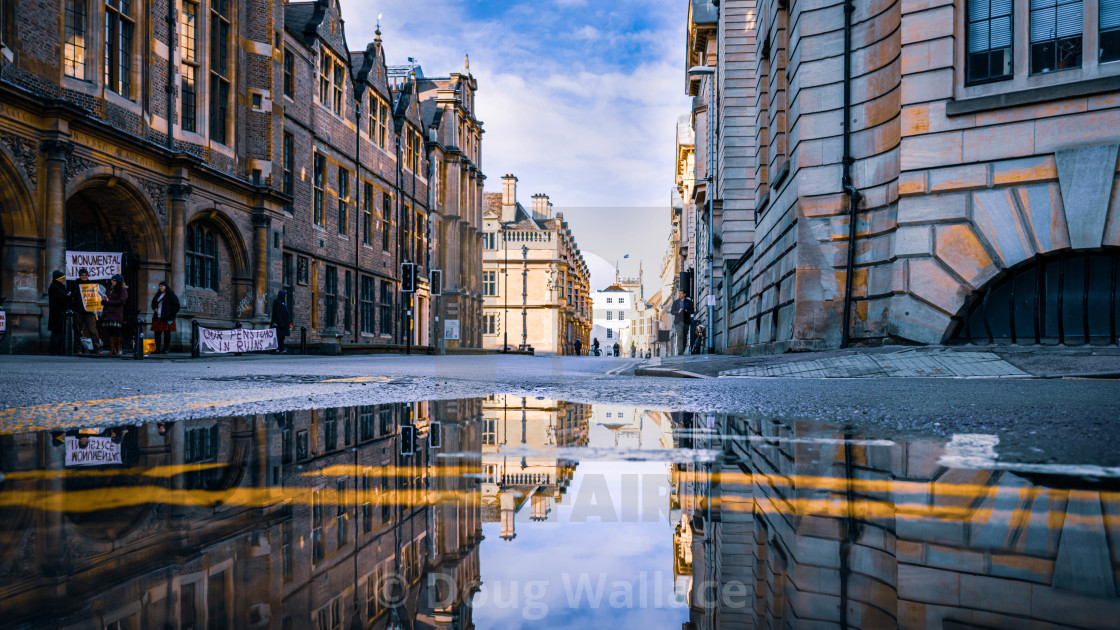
[
  {"x": 399, "y": 259},
  {"x": 358, "y": 213},
  {"x": 171, "y": 41},
  {"x": 853, "y": 194}
]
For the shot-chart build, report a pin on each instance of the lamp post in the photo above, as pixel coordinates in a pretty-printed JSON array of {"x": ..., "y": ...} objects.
[
  {"x": 710, "y": 72},
  {"x": 524, "y": 297}
]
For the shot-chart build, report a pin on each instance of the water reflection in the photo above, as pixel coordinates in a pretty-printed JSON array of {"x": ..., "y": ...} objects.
[{"x": 524, "y": 512}]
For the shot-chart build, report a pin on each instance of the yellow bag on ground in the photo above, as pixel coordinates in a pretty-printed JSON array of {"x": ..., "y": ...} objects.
[{"x": 149, "y": 346}]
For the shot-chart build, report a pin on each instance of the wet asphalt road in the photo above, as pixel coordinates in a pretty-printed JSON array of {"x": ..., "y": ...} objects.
[{"x": 1038, "y": 421}]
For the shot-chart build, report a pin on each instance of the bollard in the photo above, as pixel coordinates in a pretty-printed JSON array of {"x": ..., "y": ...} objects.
[
  {"x": 68, "y": 338},
  {"x": 196, "y": 350},
  {"x": 303, "y": 339},
  {"x": 237, "y": 325},
  {"x": 138, "y": 351}
]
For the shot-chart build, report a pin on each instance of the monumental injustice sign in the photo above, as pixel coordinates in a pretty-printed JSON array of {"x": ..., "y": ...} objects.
[
  {"x": 236, "y": 340},
  {"x": 100, "y": 265},
  {"x": 98, "y": 451}
]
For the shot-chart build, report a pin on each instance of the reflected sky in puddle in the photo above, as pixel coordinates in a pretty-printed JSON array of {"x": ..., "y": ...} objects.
[{"x": 510, "y": 512}]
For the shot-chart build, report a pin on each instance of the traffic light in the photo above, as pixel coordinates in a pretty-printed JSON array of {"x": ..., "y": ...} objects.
[
  {"x": 408, "y": 437},
  {"x": 408, "y": 277},
  {"x": 437, "y": 282}
]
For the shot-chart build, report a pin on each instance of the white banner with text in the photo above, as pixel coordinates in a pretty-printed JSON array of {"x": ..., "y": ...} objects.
[
  {"x": 100, "y": 265},
  {"x": 91, "y": 451},
  {"x": 236, "y": 340}
]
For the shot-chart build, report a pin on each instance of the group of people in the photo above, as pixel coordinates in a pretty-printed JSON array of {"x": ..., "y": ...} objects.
[{"x": 98, "y": 309}]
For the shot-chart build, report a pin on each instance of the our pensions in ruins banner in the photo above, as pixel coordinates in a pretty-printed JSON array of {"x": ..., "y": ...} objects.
[
  {"x": 100, "y": 265},
  {"x": 91, "y": 451},
  {"x": 236, "y": 340}
]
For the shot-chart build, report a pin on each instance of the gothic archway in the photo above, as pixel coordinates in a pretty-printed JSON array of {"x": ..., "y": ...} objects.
[
  {"x": 23, "y": 281},
  {"x": 1072, "y": 296},
  {"x": 217, "y": 272}
]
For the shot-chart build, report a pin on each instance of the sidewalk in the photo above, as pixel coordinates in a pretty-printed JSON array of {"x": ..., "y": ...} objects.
[{"x": 901, "y": 362}]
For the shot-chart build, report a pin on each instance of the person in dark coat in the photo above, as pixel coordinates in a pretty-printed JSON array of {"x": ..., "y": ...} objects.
[
  {"x": 281, "y": 320},
  {"x": 58, "y": 299},
  {"x": 87, "y": 309},
  {"x": 579, "y": 347},
  {"x": 112, "y": 317},
  {"x": 165, "y": 305}
]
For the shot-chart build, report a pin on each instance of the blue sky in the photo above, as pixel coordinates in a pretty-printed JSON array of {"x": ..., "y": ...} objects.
[{"x": 579, "y": 99}]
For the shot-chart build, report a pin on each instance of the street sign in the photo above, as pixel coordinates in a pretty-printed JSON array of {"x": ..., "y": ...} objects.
[
  {"x": 451, "y": 329},
  {"x": 437, "y": 282},
  {"x": 408, "y": 278},
  {"x": 3, "y": 322}
]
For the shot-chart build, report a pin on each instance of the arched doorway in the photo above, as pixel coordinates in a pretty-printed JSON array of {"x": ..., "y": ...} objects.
[
  {"x": 108, "y": 214},
  {"x": 1072, "y": 297},
  {"x": 23, "y": 282}
]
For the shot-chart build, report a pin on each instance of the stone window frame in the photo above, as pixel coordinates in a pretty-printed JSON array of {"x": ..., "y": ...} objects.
[
  {"x": 367, "y": 213},
  {"x": 288, "y": 163},
  {"x": 75, "y": 55},
  {"x": 386, "y": 221},
  {"x": 289, "y": 73},
  {"x": 318, "y": 182},
  {"x": 342, "y": 193},
  {"x": 188, "y": 62},
  {"x": 1021, "y": 78},
  {"x": 220, "y": 92},
  {"x": 201, "y": 249},
  {"x": 332, "y": 82},
  {"x": 490, "y": 283},
  {"x": 118, "y": 68}
]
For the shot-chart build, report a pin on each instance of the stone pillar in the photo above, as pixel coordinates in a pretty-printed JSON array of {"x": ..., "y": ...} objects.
[
  {"x": 55, "y": 154},
  {"x": 178, "y": 234},
  {"x": 261, "y": 224}
]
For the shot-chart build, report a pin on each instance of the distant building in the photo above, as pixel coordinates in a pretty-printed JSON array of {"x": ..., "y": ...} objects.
[
  {"x": 622, "y": 315},
  {"x": 535, "y": 281}
]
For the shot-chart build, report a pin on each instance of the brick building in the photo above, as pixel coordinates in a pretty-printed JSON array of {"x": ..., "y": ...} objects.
[
  {"x": 234, "y": 149},
  {"x": 927, "y": 172},
  {"x": 535, "y": 280}
]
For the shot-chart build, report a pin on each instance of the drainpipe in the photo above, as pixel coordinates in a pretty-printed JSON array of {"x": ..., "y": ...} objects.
[
  {"x": 853, "y": 194},
  {"x": 172, "y": 40}
]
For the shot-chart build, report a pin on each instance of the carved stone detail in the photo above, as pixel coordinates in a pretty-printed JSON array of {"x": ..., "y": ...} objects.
[
  {"x": 76, "y": 165},
  {"x": 158, "y": 194},
  {"x": 26, "y": 152},
  {"x": 180, "y": 191}
]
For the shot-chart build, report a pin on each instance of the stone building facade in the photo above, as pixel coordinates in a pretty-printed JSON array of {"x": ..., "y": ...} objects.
[
  {"x": 802, "y": 525},
  {"x": 535, "y": 281},
  {"x": 314, "y": 518},
  {"x": 233, "y": 149},
  {"x": 971, "y": 193}
]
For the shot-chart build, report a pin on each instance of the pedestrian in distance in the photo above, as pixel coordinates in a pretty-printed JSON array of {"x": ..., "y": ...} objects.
[
  {"x": 682, "y": 311},
  {"x": 616, "y": 348},
  {"x": 112, "y": 317},
  {"x": 165, "y": 305},
  {"x": 58, "y": 299},
  {"x": 86, "y": 302},
  {"x": 595, "y": 346},
  {"x": 281, "y": 320},
  {"x": 579, "y": 347}
]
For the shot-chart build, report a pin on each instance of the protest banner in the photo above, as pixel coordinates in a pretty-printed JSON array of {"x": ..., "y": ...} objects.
[
  {"x": 98, "y": 451},
  {"x": 100, "y": 265},
  {"x": 91, "y": 296},
  {"x": 236, "y": 340}
]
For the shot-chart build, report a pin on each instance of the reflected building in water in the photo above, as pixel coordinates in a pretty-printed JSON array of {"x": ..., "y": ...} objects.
[
  {"x": 796, "y": 526},
  {"x": 280, "y": 521},
  {"x": 518, "y": 434}
]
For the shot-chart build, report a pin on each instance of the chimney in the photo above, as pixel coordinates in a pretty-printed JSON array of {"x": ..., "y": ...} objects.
[
  {"x": 509, "y": 198},
  {"x": 509, "y": 190},
  {"x": 542, "y": 209}
]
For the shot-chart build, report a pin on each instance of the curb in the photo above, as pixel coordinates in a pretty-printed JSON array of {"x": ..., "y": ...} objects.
[{"x": 669, "y": 372}]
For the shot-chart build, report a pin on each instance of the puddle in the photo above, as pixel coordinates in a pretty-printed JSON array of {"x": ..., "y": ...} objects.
[{"x": 509, "y": 512}]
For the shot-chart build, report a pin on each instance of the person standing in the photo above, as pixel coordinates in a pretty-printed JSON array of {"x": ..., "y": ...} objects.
[
  {"x": 682, "y": 312},
  {"x": 281, "y": 320},
  {"x": 579, "y": 346},
  {"x": 165, "y": 305},
  {"x": 57, "y": 299},
  {"x": 85, "y": 301},
  {"x": 112, "y": 318}
]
